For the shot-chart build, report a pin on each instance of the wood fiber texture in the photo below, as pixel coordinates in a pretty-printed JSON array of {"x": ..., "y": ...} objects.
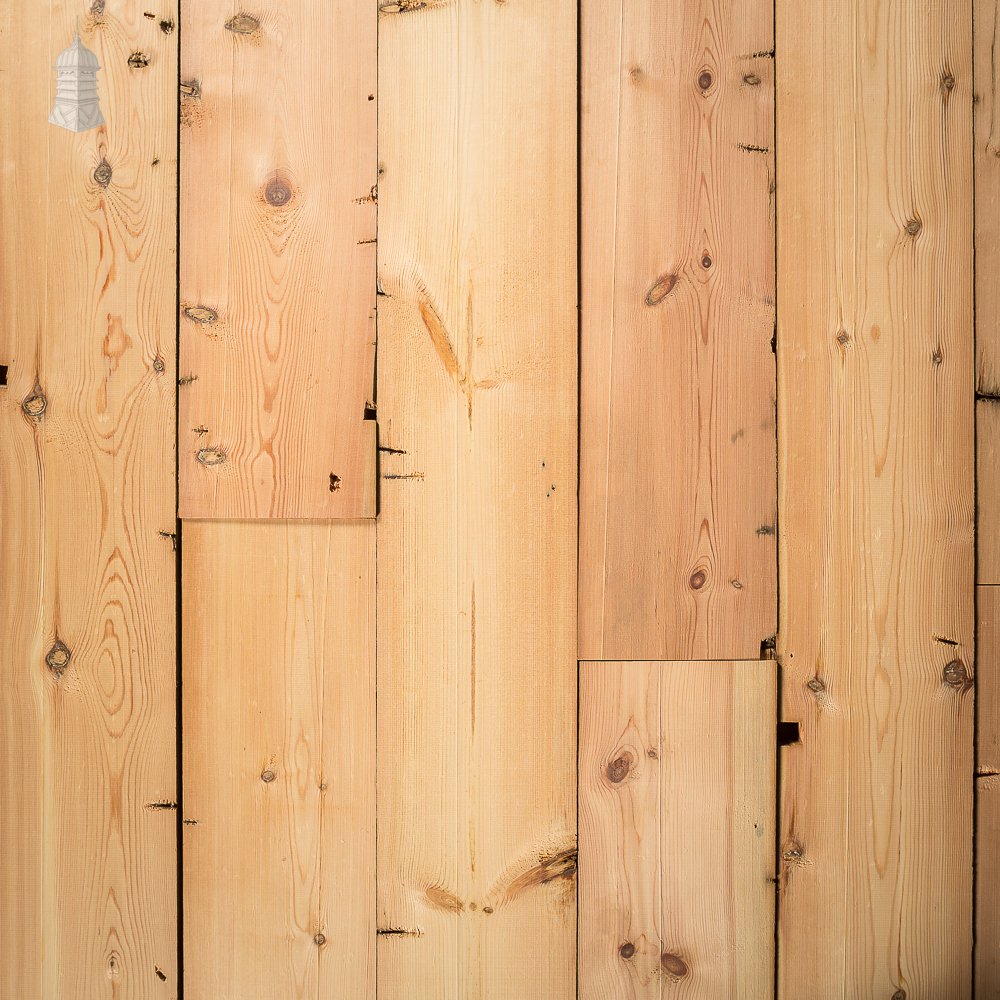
[
  {"x": 677, "y": 447},
  {"x": 279, "y": 760},
  {"x": 277, "y": 280},
  {"x": 677, "y": 827},
  {"x": 477, "y": 403},
  {"x": 876, "y": 453},
  {"x": 88, "y": 881}
]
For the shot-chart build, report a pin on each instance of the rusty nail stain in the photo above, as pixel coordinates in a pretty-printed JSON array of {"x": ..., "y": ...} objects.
[
  {"x": 705, "y": 80},
  {"x": 698, "y": 579},
  {"x": 319, "y": 939},
  {"x": 267, "y": 776},
  {"x": 200, "y": 314},
  {"x": 58, "y": 657},
  {"x": 913, "y": 226},
  {"x": 619, "y": 768},
  {"x": 242, "y": 24},
  {"x": 138, "y": 60},
  {"x": 102, "y": 173},
  {"x": 35, "y": 404},
  {"x": 211, "y": 456},
  {"x": 660, "y": 289},
  {"x": 955, "y": 675},
  {"x": 277, "y": 193},
  {"x": 673, "y": 965},
  {"x": 627, "y": 950}
]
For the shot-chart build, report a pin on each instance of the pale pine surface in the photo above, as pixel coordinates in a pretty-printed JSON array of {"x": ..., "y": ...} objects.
[
  {"x": 477, "y": 534},
  {"x": 875, "y": 498},
  {"x": 677, "y": 448},
  {"x": 87, "y": 259},
  {"x": 277, "y": 284},
  {"x": 677, "y": 816},
  {"x": 279, "y": 761}
]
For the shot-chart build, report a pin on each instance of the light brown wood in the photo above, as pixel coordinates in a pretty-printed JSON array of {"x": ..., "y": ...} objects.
[
  {"x": 277, "y": 283},
  {"x": 875, "y": 355},
  {"x": 986, "y": 20},
  {"x": 988, "y": 785},
  {"x": 477, "y": 533},
  {"x": 677, "y": 448},
  {"x": 279, "y": 761},
  {"x": 677, "y": 817},
  {"x": 988, "y": 886},
  {"x": 988, "y": 482},
  {"x": 87, "y": 723}
]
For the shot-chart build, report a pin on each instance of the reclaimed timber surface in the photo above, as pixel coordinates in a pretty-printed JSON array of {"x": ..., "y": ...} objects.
[
  {"x": 477, "y": 405},
  {"x": 677, "y": 448},
  {"x": 277, "y": 281},
  {"x": 988, "y": 487},
  {"x": 87, "y": 498},
  {"x": 279, "y": 761},
  {"x": 677, "y": 826},
  {"x": 986, "y": 21},
  {"x": 875, "y": 406}
]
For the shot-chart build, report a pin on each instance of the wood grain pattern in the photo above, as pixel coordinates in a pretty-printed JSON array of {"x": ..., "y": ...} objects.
[
  {"x": 87, "y": 494},
  {"x": 987, "y": 886},
  {"x": 988, "y": 482},
  {"x": 279, "y": 761},
  {"x": 677, "y": 450},
  {"x": 477, "y": 376},
  {"x": 986, "y": 19},
  {"x": 677, "y": 818},
  {"x": 277, "y": 295},
  {"x": 875, "y": 355}
]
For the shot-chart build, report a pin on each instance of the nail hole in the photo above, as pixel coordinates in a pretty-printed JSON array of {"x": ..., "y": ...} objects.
[{"x": 788, "y": 733}]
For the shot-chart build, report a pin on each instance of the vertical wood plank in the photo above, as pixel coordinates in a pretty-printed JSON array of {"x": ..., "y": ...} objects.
[
  {"x": 277, "y": 296},
  {"x": 677, "y": 817},
  {"x": 87, "y": 494},
  {"x": 477, "y": 403},
  {"x": 677, "y": 450},
  {"x": 279, "y": 760},
  {"x": 987, "y": 167},
  {"x": 876, "y": 458},
  {"x": 988, "y": 483}
]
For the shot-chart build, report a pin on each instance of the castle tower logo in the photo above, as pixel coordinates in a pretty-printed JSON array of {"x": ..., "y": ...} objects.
[{"x": 76, "y": 107}]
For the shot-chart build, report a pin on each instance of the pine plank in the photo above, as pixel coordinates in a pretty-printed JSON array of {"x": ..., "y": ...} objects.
[
  {"x": 987, "y": 886},
  {"x": 277, "y": 282},
  {"x": 87, "y": 496},
  {"x": 988, "y": 479},
  {"x": 677, "y": 828},
  {"x": 986, "y": 20},
  {"x": 875, "y": 426},
  {"x": 677, "y": 449},
  {"x": 279, "y": 760},
  {"x": 477, "y": 376}
]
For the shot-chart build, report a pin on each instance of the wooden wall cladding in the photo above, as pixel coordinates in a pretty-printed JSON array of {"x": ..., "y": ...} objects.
[
  {"x": 277, "y": 280},
  {"x": 677, "y": 448},
  {"x": 875, "y": 402},
  {"x": 279, "y": 760},
  {"x": 677, "y": 827},
  {"x": 88, "y": 882},
  {"x": 477, "y": 401}
]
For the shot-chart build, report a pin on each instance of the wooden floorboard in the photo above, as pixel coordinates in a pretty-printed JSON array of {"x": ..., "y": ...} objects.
[
  {"x": 87, "y": 494},
  {"x": 875, "y": 404},
  {"x": 277, "y": 279},
  {"x": 477, "y": 405},
  {"x": 677, "y": 445},
  {"x": 279, "y": 760},
  {"x": 677, "y": 827}
]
